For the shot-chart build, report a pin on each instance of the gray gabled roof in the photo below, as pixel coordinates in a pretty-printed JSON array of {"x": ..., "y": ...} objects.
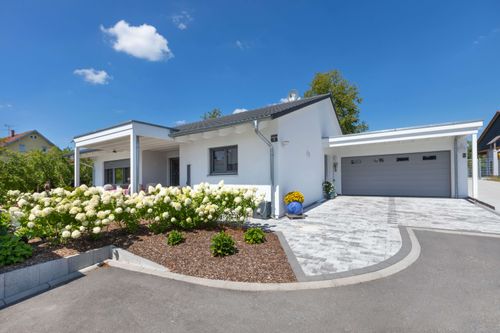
[{"x": 269, "y": 112}]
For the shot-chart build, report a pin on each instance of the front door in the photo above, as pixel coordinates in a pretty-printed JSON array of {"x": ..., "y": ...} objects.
[{"x": 174, "y": 171}]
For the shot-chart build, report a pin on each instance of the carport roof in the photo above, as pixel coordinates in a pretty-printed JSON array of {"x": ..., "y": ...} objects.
[{"x": 406, "y": 133}]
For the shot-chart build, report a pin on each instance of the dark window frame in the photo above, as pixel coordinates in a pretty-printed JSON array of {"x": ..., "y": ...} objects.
[
  {"x": 125, "y": 175},
  {"x": 429, "y": 157},
  {"x": 403, "y": 159},
  {"x": 227, "y": 171}
]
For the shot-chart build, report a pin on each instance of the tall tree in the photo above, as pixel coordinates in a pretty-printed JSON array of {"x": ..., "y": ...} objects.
[
  {"x": 215, "y": 113},
  {"x": 345, "y": 99}
]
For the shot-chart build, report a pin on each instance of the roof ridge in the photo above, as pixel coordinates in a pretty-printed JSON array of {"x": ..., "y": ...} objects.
[{"x": 235, "y": 115}]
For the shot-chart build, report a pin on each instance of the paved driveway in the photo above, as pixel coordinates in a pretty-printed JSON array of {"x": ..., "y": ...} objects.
[
  {"x": 489, "y": 192},
  {"x": 452, "y": 287},
  {"x": 351, "y": 233}
]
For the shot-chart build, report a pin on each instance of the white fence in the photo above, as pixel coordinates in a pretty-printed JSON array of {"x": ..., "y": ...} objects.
[{"x": 485, "y": 167}]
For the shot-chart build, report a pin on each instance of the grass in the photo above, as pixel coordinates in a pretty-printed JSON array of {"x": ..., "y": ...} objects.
[{"x": 494, "y": 178}]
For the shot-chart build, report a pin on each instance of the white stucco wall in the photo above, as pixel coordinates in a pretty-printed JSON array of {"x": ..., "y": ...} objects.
[
  {"x": 253, "y": 159},
  {"x": 300, "y": 155},
  {"x": 410, "y": 146},
  {"x": 154, "y": 168}
]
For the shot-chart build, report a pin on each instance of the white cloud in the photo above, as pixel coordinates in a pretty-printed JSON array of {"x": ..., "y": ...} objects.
[
  {"x": 182, "y": 20},
  {"x": 239, "y": 110},
  {"x": 180, "y": 122},
  {"x": 93, "y": 76},
  {"x": 244, "y": 45},
  {"x": 286, "y": 99},
  {"x": 5, "y": 106},
  {"x": 139, "y": 41},
  {"x": 482, "y": 38}
]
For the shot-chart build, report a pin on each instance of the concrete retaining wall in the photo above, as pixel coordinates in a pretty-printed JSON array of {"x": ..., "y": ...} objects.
[
  {"x": 28, "y": 281},
  {"x": 24, "y": 282}
]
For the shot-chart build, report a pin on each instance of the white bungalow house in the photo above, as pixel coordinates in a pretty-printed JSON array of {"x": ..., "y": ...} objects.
[{"x": 284, "y": 147}]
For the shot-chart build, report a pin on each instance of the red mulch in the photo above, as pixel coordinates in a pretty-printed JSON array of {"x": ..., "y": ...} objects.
[{"x": 265, "y": 262}]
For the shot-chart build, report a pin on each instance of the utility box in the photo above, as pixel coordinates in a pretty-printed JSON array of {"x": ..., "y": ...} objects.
[{"x": 263, "y": 211}]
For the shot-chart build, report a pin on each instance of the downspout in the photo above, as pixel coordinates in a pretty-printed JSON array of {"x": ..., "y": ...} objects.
[
  {"x": 271, "y": 161},
  {"x": 455, "y": 156}
]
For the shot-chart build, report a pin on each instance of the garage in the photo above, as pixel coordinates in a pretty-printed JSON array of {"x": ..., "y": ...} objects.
[{"x": 426, "y": 174}]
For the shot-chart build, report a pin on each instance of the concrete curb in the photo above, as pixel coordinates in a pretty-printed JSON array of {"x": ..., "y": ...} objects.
[
  {"x": 483, "y": 205},
  {"x": 292, "y": 259},
  {"x": 25, "y": 282},
  {"x": 394, "y": 268},
  {"x": 126, "y": 257}
]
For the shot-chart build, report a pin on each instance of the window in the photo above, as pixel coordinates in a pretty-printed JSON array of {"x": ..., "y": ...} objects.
[
  {"x": 22, "y": 148},
  {"x": 402, "y": 159},
  {"x": 108, "y": 176},
  {"x": 224, "y": 160},
  {"x": 429, "y": 157},
  {"x": 117, "y": 176},
  {"x": 355, "y": 161},
  {"x": 44, "y": 149}
]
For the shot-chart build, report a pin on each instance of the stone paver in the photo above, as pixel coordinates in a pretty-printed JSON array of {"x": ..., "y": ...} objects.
[
  {"x": 489, "y": 192},
  {"x": 355, "y": 232}
]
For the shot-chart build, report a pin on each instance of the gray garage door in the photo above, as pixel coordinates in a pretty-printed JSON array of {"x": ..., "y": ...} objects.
[{"x": 418, "y": 174}]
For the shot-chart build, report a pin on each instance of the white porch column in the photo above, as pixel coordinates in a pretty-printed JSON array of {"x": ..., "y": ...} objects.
[
  {"x": 495, "y": 159},
  {"x": 134, "y": 162},
  {"x": 77, "y": 166},
  {"x": 474, "y": 166}
]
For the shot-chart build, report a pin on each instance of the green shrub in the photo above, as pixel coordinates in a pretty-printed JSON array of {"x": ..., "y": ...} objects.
[
  {"x": 158, "y": 227},
  {"x": 255, "y": 236},
  {"x": 4, "y": 223},
  {"x": 175, "y": 238},
  {"x": 222, "y": 245},
  {"x": 13, "y": 250}
]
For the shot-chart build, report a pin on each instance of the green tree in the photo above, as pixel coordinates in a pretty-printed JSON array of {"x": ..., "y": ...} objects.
[
  {"x": 215, "y": 113},
  {"x": 345, "y": 99},
  {"x": 30, "y": 171}
]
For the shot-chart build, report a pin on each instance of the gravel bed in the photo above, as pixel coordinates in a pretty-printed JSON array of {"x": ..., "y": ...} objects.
[{"x": 265, "y": 262}]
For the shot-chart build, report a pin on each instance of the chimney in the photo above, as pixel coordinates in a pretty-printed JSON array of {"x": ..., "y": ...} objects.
[{"x": 12, "y": 133}]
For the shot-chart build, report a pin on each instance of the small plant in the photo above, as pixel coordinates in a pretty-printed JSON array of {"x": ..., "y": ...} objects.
[
  {"x": 174, "y": 238},
  {"x": 328, "y": 189},
  {"x": 294, "y": 196},
  {"x": 13, "y": 250},
  {"x": 255, "y": 236},
  {"x": 222, "y": 245}
]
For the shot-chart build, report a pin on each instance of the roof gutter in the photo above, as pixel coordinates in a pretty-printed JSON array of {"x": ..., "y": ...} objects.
[{"x": 271, "y": 161}]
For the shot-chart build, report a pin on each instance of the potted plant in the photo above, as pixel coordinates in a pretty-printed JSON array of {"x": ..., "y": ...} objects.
[
  {"x": 328, "y": 190},
  {"x": 294, "y": 201}
]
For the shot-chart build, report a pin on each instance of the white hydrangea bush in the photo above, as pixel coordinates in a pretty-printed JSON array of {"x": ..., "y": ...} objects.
[{"x": 61, "y": 214}]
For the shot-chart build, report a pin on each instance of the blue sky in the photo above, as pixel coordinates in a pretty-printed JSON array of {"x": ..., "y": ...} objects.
[{"x": 415, "y": 62}]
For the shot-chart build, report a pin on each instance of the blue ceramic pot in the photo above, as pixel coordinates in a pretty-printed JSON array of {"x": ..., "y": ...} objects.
[{"x": 294, "y": 208}]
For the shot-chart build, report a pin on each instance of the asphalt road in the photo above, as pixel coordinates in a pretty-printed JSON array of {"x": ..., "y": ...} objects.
[{"x": 453, "y": 286}]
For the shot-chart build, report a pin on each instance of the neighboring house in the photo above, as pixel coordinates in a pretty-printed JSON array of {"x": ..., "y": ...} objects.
[
  {"x": 26, "y": 141},
  {"x": 489, "y": 143},
  {"x": 284, "y": 147}
]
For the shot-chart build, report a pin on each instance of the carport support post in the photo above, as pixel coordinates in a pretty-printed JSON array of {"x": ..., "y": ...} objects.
[
  {"x": 474, "y": 166},
  {"x": 77, "y": 166},
  {"x": 134, "y": 162}
]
